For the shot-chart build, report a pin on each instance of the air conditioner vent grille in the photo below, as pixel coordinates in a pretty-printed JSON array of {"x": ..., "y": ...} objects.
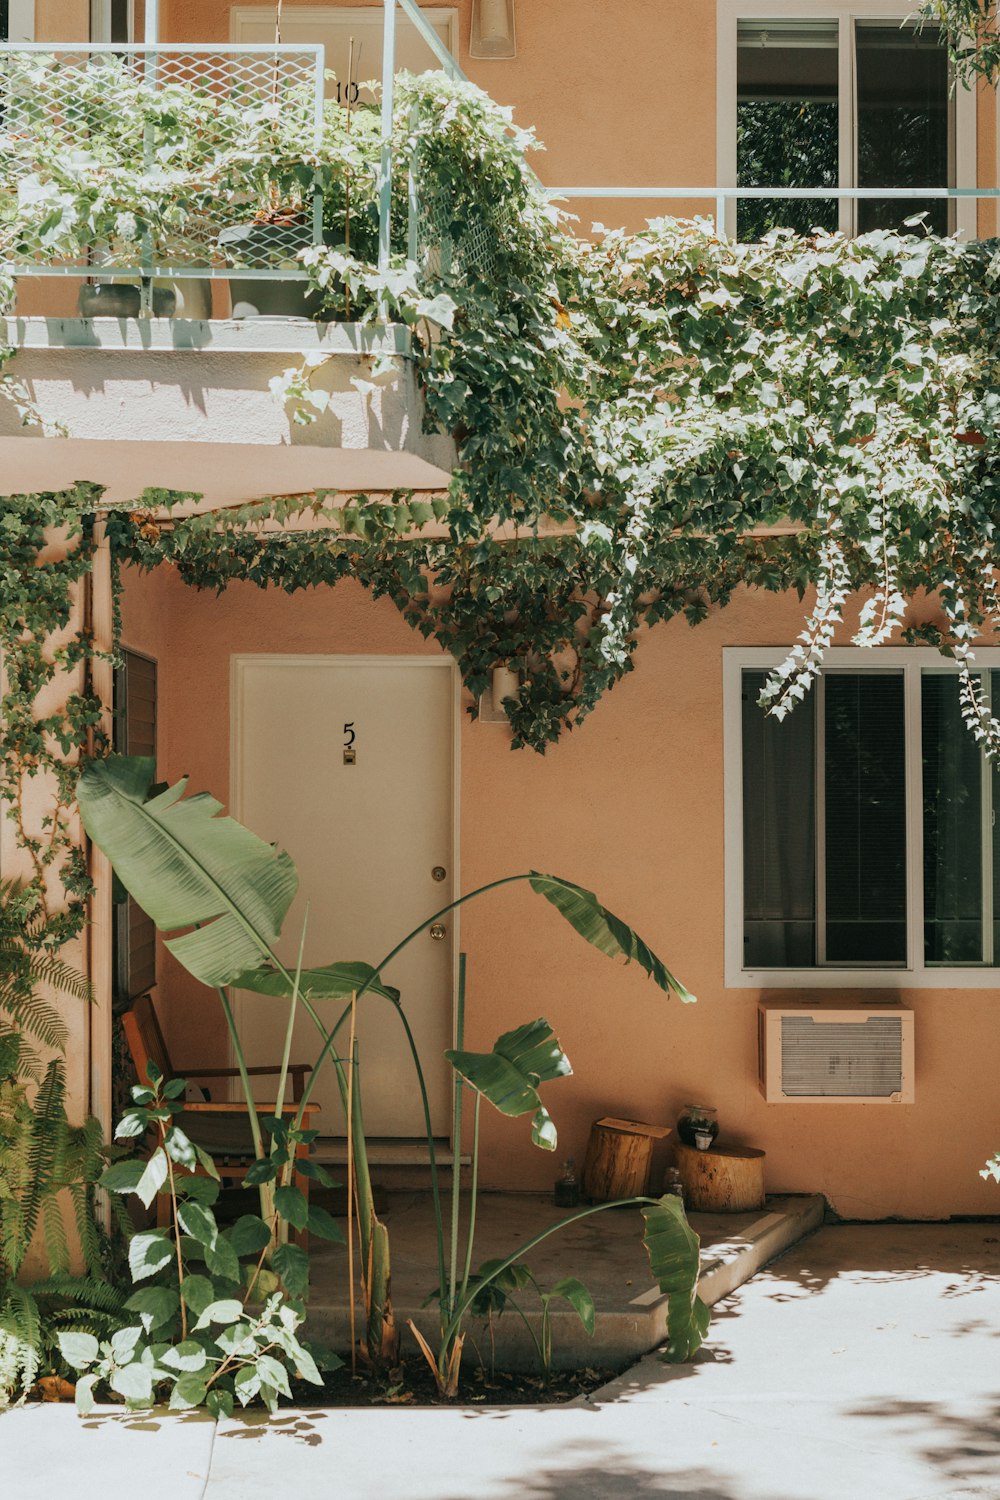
[{"x": 841, "y": 1059}]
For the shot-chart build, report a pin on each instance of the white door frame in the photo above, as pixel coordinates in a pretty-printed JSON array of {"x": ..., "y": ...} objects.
[
  {"x": 242, "y": 660},
  {"x": 21, "y": 20}
]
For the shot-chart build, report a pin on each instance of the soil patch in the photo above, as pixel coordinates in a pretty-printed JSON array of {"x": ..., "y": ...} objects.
[{"x": 413, "y": 1385}]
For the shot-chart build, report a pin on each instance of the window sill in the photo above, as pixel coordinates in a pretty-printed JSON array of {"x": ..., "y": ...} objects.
[{"x": 864, "y": 979}]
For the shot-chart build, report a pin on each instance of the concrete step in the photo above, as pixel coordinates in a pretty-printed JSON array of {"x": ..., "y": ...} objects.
[{"x": 605, "y": 1252}]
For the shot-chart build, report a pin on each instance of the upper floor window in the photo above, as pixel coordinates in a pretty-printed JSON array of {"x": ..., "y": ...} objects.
[
  {"x": 848, "y": 97},
  {"x": 861, "y": 838}
]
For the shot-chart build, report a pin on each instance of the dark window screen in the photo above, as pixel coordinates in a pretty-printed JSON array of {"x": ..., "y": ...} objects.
[
  {"x": 865, "y": 818},
  {"x": 903, "y": 115},
  {"x": 134, "y": 734},
  {"x": 953, "y": 826},
  {"x": 779, "y": 833},
  {"x": 786, "y": 122}
]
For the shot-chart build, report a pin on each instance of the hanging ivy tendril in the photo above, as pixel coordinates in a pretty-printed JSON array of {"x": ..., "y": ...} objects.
[{"x": 644, "y": 423}]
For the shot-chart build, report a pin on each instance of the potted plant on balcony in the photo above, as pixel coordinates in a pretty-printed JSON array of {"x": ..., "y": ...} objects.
[{"x": 98, "y": 166}]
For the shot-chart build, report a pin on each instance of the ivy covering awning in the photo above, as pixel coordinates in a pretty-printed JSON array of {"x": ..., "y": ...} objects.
[{"x": 221, "y": 474}]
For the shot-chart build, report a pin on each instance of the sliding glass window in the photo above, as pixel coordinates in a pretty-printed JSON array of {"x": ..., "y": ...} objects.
[
  {"x": 835, "y": 864},
  {"x": 840, "y": 101}
]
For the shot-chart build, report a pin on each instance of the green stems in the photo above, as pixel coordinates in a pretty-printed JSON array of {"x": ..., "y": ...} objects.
[
  {"x": 241, "y": 1063},
  {"x": 292, "y": 1004},
  {"x": 431, "y": 1151},
  {"x": 456, "y": 1138},
  {"x": 377, "y": 972},
  {"x": 466, "y": 1296},
  {"x": 473, "y": 1190}
]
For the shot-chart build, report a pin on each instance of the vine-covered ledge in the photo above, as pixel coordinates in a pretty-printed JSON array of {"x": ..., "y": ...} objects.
[{"x": 633, "y": 419}]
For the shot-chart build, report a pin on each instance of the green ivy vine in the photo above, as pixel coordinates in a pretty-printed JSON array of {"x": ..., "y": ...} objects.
[
  {"x": 42, "y": 742},
  {"x": 633, "y": 415}
]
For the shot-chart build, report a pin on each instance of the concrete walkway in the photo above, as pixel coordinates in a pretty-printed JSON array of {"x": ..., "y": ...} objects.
[
  {"x": 605, "y": 1251},
  {"x": 863, "y": 1365}
]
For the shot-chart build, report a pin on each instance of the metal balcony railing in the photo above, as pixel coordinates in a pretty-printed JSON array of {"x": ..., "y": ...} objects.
[
  {"x": 76, "y": 120},
  {"x": 182, "y": 126},
  {"x": 723, "y": 200}
]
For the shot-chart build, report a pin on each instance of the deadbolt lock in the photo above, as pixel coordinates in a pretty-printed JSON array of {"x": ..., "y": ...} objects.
[
  {"x": 438, "y": 931},
  {"x": 439, "y": 873}
]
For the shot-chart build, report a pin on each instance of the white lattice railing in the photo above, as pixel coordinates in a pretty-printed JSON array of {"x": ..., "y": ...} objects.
[{"x": 158, "y": 160}]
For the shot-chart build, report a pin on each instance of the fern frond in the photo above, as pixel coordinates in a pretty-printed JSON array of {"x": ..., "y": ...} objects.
[
  {"x": 56, "y": 1243},
  {"x": 46, "y": 968},
  {"x": 91, "y": 1246},
  {"x": 45, "y": 1152},
  {"x": 87, "y": 1292},
  {"x": 85, "y": 1320},
  {"x": 29, "y": 1062},
  {"x": 38, "y": 1017},
  {"x": 120, "y": 1218},
  {"x": 21, "y": 1328}
]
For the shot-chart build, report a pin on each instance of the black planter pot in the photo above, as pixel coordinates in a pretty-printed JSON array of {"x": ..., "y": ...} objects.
[
  {"x": 118, "y": 299},
  {"x": 266, "y": 298}
]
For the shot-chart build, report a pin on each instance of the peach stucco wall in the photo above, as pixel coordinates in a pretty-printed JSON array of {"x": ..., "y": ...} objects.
[{"x": 631, "y": 806}]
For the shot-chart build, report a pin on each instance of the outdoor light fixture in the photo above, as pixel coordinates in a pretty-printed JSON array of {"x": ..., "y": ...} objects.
[
  {"x": 492, "y": 29},
  {"x": 504, "y": 684}
]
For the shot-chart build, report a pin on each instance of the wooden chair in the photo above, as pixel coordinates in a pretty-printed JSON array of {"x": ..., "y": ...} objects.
[{"x": 222, "y": 1129}]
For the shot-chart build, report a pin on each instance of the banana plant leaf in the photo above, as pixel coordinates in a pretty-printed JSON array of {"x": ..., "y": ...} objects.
[
  {"x": 382, "y": 1335},
  {"x": 492, "y": 1289},
  {"x": 508, "y": 1077},
  {"x": 573, "y": 1291},
  {"x": 188, "y": 867},
  {"x": 331, "y": 982},
  {"x": 673, "y": 1250},
  {"x": 604, "y": 931}
]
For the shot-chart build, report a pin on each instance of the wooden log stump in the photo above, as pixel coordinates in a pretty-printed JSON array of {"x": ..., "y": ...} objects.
[
  {"x": 725, "y": 1179},
  {"x": 618, "y": 1155}
]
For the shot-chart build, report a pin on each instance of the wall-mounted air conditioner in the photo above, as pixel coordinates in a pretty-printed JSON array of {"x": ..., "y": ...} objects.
[{"x": 818, "y": 1055}]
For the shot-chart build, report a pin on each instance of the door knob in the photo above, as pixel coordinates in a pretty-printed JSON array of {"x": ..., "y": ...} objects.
[
  {"x": 439, "y": 873},
  {"x": 438, "y": 931}
]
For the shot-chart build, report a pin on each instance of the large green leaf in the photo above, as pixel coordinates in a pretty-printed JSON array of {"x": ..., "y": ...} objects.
[
  {"x": 573, "y": 1291},
  {"x": 509, "y": 1075},
  {"x": 188, "y": 867},
  {"x": 331, "y": 982},
  {"x": 604, "y": 931},
  {"x": 673, "y": 1250}
]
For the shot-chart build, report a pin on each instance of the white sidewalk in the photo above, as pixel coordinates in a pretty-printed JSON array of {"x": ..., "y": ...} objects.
[{"x": 862, "y": 1366}]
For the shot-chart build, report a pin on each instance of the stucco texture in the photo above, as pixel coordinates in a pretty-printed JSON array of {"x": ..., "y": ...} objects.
[{"x": 630, "y": 806}]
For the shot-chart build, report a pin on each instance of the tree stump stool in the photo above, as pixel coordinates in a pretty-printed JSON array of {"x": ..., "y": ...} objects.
[
  {"x": 724, "y": 1179},
  {"x": 618, "y": 1155}
]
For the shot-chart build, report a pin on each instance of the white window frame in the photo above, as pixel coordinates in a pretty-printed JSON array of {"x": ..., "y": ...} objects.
[
  {"x": 100, "y": 20},
  {"x": 21, "y": 20},
  {"x": 845, "y": 13},
  {"x": 914, "y": 974}
]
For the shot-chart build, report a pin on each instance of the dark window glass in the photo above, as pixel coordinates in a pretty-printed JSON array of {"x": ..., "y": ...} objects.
[
  {"x": 779, "y": 833},
  {"x": 134, "y": 731},
  {"x": 953, "y": 824},
  {"x": 865, "y": 818},
  {"x": 903, "y": 122},
  {"x": 786, "y": 122}
]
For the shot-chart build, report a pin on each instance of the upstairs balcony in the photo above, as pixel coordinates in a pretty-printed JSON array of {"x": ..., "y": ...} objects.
[
  {"x": 155, "y": 202},
  {"x": 159, "y": 202}
]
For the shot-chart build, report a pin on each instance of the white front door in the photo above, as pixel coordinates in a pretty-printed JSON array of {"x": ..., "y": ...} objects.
[{"x": 348, "y": 763}]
